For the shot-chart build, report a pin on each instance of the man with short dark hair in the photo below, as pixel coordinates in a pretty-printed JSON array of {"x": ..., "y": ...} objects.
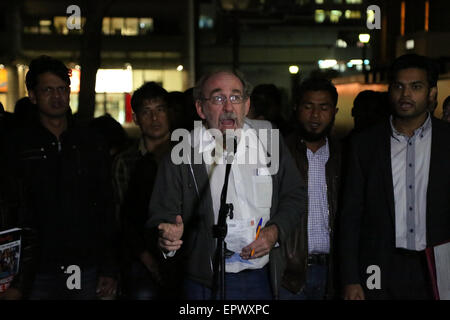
[
  {"x": 186, "y": 206},
  {"x": 64, "y": 170},
  {"x": 396, "y": 197},
  {"x": 309, "y": 271},
  {"x": 134, "y": 174}
]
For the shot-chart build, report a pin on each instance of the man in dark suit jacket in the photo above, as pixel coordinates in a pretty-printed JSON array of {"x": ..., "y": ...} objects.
[{"x": 396, "y": 197}]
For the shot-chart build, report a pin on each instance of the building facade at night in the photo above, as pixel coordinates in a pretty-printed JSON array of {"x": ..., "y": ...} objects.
[{"x": 173, "y": 42}]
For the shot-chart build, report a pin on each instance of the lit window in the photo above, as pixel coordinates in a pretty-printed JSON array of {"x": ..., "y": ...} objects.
[
  {"x": 146, "y": 25},
  {"x": 106, "y": 28},
  {"x": 353, "y": 14},
  {"x": 205, "y": 22},
  {"x": 31, "y": 29},
  {"x": 45, "y": 26},
  {"x": 335, "y": 15},
  {"x": 410, "y": 44},
  {"x": 60, "y": 25},
  {"x": 353, "y": 1},
  {"x": 319, "y": 1},
  {"x": 370, "y": 16},
  {"x": 130, "y": 27},
  {"x": 341, "y": 43},
  {"x": 319, "y": 16},
  {"x": 117, "y": 25}
]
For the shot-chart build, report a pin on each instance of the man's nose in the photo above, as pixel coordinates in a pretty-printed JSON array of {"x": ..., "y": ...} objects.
[
  {"x": 315, "y": 112},
  {"x": 406, "y": 91},
  {"x": 228, "y": 105}
]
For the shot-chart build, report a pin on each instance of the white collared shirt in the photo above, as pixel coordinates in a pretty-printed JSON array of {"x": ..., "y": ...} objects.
[
  {"x": 249, "y": 190},
  {"x": 410, "y": 159}
]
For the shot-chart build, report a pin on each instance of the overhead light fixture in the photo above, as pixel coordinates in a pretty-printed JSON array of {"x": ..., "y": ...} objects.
[
  {"x": 364, "y": 37},
  {"x": 327, "y": 63},
  {"x": 409, "y": 44},
  {"x": 180, "y": 68},
  {"x": 293, "y": 69},
  {"x": 356, "y": 62}
]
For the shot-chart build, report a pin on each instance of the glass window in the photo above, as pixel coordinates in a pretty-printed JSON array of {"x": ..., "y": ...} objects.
[
  {"x": 205, "y": 22},
  {"x": 117, "y": 25},
  {"x": 319, "y": 1},
  {"x": 60, "y": 25},
  {"x": 353, "y": 1},
  {"x": 353, "y": 14},
  {"x": 146, "y": 25},
  {"x": 31, "y": 29},
  {"x": 106, "y": 26},
  {"x": 370, "y": 16},
  {"x": 335, "y": 15},
  {"x": 319, "y": 16},
  {"x": 131, "y": 27},
  {"x": 45, "y": 26}
]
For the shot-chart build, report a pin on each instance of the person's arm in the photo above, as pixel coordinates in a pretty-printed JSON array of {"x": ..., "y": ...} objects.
[
  {"x": 350, "y": 223},
  {"x": 165, "y": 220}
]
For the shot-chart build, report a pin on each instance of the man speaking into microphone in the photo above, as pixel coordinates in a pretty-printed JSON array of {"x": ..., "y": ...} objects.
[{"x": 263, "y": 185}]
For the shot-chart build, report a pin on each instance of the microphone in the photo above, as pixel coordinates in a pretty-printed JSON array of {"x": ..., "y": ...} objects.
[{"x": 231, "y": 147}]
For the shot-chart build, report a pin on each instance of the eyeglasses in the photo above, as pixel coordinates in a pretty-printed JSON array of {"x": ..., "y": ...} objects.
[{"x": 222, "y": 100}]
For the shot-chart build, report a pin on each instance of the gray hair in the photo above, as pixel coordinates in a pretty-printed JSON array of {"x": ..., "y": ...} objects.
[{"x": 198, "y": 89}]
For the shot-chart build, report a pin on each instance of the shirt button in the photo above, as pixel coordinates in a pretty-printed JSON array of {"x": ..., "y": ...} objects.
[
  {"x": 410, "y": 187},
  {"x": 410, "y": 208},
  {"x": 410, "y": 165},
  {"x": 411, "y": 230}
]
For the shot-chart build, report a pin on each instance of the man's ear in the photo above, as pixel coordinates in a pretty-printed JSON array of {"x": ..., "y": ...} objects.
[
  {"x": 432, "y": 95},
  {"x": 198, "y": 106},
  {"x": 247, "y": 106},
  {"x": 336, "y": 111},
  {"x": 32, "y": 96},
  {"x": 135, "y": 119}
]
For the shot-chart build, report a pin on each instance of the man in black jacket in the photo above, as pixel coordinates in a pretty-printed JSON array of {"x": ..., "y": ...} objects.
[
  {"x": 64, "y": 170},
  {"x": 396, "y": 196},
  {"x": 309, "y": 270}
]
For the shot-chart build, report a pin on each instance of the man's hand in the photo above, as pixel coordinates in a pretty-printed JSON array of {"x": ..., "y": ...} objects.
[
  {"x": 353, "y": 292},
  {"x": 268, "y": 236},
  {"x": 106, "y": 287},
  {"x": 152, "y": 266},
  {"x": 170, "y": 235}
]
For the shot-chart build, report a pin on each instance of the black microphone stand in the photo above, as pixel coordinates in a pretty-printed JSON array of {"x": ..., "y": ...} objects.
[{"x": 220, "y": 232}]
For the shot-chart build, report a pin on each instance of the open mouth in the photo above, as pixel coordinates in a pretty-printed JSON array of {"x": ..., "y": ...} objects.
[
  {"x": 227, "y": 122},
  {"x": 405, "y": 105},
  {"x": 314, "y": 125}
]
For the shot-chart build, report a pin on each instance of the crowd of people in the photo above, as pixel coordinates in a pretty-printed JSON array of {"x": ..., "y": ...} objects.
[{"x": 308, "y": 217}]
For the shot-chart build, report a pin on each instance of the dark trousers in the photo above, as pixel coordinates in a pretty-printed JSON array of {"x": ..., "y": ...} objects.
[
  {"x": 244, "y": 285},
  {"x": 315, "y": 286}
]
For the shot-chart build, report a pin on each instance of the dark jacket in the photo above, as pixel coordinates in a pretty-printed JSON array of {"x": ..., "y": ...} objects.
[
  {"x": 67, "y": 195},
  {"x": 12, "y": 216},
  {"x": 294, "y": 278},
  {"x": 184, "y": 189},
  {"x": 367, "y": 235}
]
